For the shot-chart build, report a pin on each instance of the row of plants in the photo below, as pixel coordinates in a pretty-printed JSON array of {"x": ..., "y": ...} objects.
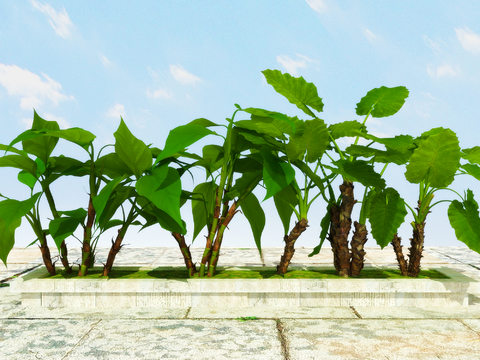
[{"x": 294, "y": 161}]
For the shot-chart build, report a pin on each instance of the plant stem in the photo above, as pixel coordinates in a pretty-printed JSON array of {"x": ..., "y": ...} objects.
[
  {"x": 289, "y": 250},
  {"x": 402, "y": 264},
  {"x": 87, "y": 237},
  {"x": 357, "y": 246},
  {"x": 187, "y": 256}
]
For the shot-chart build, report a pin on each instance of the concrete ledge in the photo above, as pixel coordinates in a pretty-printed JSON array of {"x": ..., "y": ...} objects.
[{"x": 36, "y": 290}]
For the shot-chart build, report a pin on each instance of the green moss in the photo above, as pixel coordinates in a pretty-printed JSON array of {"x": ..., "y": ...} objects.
[{"x": 259, "y": 273}]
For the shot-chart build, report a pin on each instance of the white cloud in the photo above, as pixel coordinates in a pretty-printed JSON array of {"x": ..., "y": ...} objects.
[
  {"x": 292, "y": 65},
  {"x": 182, "y": 75},
  {"x": 31, "y": 88},
  {"x": 60, "y": 21},
  {"x": 159, "y": 94},
  {"x": 443, "y": 70},
  {"x": 64, "y": 124},
  {"x": 371, "y": 37},
  {"x": 469, "y": 40},
  {"x": 435, "y": 46},
  {"x": 317, "y": 5},
  {"x": 116, "y": 111},
  {"x": 105, "y": 61}
]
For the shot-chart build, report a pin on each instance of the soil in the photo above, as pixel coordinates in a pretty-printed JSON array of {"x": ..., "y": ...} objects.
[{"x": 250, "y": 274}]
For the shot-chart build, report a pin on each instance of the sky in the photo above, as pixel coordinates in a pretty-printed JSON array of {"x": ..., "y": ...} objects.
[{"x": 161, "y": 64}]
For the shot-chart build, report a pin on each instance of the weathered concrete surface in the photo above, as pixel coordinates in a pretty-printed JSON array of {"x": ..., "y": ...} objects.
[{"x": 302, "y": 333}]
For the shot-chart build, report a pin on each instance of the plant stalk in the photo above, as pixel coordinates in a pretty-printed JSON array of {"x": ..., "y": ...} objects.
[
  {"x": 187, "y": 256},
  {"x": 357, "y": 247},
  {"x": 289, "y": 250},
  {"x": 402, "y": 263}
]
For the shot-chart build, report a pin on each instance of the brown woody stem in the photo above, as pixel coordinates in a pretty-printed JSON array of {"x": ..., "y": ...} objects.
[
  {"x": 289, "y": 249},
  {"x": 402, "y": 264},
  {"x": 357, "y": 246},
  {"x": 187, "y": 256}
]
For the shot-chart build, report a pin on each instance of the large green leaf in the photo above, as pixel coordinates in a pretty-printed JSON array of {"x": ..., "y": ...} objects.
[
  {"x": 347, "y": 128},
  {"x": 119, "y": 196},
  {"x": 387, "y": 213},
  {"x": 277, "y": 174},
  {"x": 19, "y": 162},
  {"x": 13, "y": 150},
  {"x": 384, "y": 101},
  {"x": 7, "y": 237},
  {"x": 256, "y": 217},
  {"x": 40, "y": 146},
  {"x": 100, "y": 201},
  {"x": 163, "y": 188},
  {"x": 131, "y": 150},
  {"x": 202, "y": 122},
  {"x": 67, "y": 166},
  {"x": 472, "y": 169},
  {"x": 11, "y": 210},
  {"x": 285, "y": 201},
  {"x": 112, "y": 166},
  {"x": 244, "y": 184},
  {"x": 182, "y": 137},
  {"x": 324, "y": 225},
  {"x": 26, "y": 178},
  {"x": 465, "y": 220},
  {"x": 381, "y": 156},
  {"x": 280, "y": 121},
  {"x": 359, "y": 171},
  {"x": 472, "y": 154},
  {"x": 314, "y": 141},
  {"x": 203, "y": 206},
  {"x": 436, "y": 160},
  {"x": 296, "y": 90},
  {"x": 63, "y": 227}
]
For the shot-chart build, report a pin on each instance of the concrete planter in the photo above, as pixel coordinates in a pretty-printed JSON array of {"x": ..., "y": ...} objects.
[{"x": 36, "y": 290}]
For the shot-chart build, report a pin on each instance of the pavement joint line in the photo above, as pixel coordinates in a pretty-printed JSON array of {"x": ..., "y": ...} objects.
[
  {"x": 283, "y": 340},
  {"x": 187, "y": 313},
  {"x": 469, "y": 328},
  {"x": 81, "y": 339}
]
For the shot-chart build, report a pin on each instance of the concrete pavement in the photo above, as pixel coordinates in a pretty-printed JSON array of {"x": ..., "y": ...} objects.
[{"x": 243, "y": 333}]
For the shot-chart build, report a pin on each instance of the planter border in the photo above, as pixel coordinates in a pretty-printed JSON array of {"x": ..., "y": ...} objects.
[{"x": 232, "y": 293}]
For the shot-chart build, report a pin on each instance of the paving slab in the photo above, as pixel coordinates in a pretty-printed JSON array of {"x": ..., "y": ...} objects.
[{"x": 380, "y": 339}]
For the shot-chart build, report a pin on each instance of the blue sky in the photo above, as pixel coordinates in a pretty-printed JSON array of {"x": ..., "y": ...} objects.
[{"x": 160, "y": 64}]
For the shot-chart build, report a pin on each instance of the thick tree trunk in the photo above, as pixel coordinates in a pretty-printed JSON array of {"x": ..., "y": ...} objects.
[
  {"x": 398, "y": 252},
  {"x": 341, "y": 224},
  {"x": 416, "y": 249},
  {"x": 114, "y": 250},
  {"x": 187, "y": 256},
  {"x": 64, "y": 257},
  {"x": 289, "y": 250},
  {"x": 47, "y": 258},
  {"x": 357, "y": 245}
]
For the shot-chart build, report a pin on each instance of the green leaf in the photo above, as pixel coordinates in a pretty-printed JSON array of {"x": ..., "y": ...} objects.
[
  {"x": 472, "y": 154},
  {"x": 277, "y": 174},
  {"x": 471, "y": 169},
  {"x": 7, "y": 237},
  {"x": 314, "y": 141},
  {"x": 359, "y": 171},
  {"x": 13, "y": 150},
  {"x": 120, "y": 195},
  {"x": 203, "y": 206},
  {"x": 42, "y": 146},
  {"x": 400, "y": 143},
  {"x": 384, "y": 101},
  {"x": 112, "y": 166},
  {"x": 63, "y": 227},
  {"x": 11, "y": 210},
  {"x": 181, "y": 137},
  {"x": 113, "y": 223},
  {"x": 247, "y": 164},
  {"x": 280, "y": 121},
  {"x": 246, "y": 183},
  {"x": 381, "y": 156},
  {"x": 19, "y": 162},
  {"x": 296, "y": 90},
  {"x": 131, "y": 150},
  {"x": 202, "y": 122},
  {"x": 79, "y": 214},
  {"x": 325, "y": 225},
  {"x": 387, "y": 213},
  {"x": 285, "y": 201},
  {"x": 163, "y": 188},
  {"x": 464, "y": 219},
  {"x": 347, "y": 128},
  {"x": 256, "y": 217},
  {"x": 27, "y": 179},
  {"x": 100, "y": 201},
  {"x": 435, "y": 161}
]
